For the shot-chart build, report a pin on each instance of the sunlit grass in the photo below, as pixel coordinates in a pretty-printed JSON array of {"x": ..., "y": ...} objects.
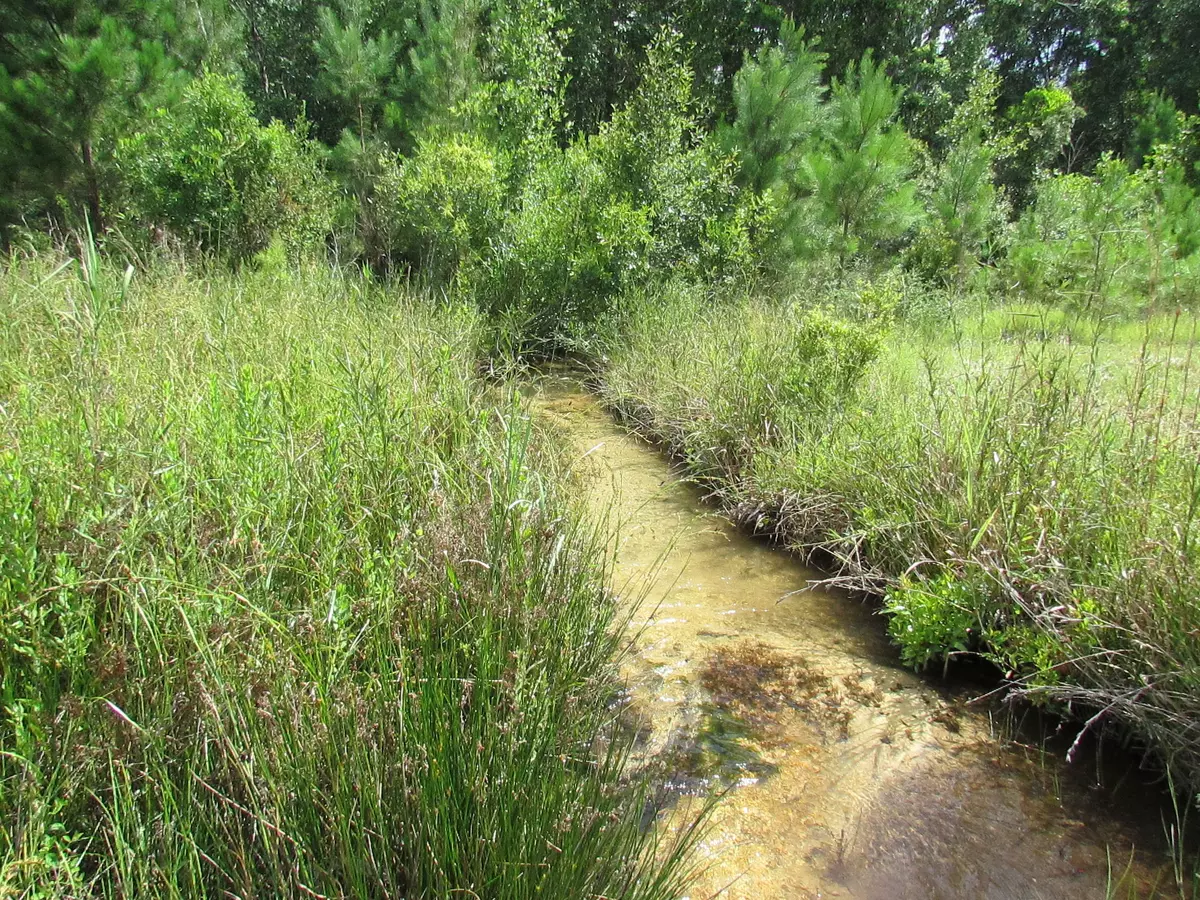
[
  {"x": 289, "y": 605},
  {"x": 1014, "y": 481}
]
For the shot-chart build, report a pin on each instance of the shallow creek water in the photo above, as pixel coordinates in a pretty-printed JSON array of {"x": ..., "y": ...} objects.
[{"x": 848, "y": 776}]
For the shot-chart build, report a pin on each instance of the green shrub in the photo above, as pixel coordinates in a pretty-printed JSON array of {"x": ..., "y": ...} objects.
[
  {"x": 566, "y": 249},
  {"x": 930, "y": 620},
  {"x": 646, "y": 197},
  {"x": 1030, "y": 140},
  {"x": 444, "y": 206},
  {"x": 206, "y": 170},
  {"x": 655, "y": 155},
  {"x": 742, "y": 376}
]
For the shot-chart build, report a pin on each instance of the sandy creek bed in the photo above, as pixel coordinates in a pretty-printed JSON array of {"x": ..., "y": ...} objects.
[{"x": 852, "y": 777}]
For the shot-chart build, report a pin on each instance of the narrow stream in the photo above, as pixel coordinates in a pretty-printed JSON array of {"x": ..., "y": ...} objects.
[{"x": 848, "y": 775}]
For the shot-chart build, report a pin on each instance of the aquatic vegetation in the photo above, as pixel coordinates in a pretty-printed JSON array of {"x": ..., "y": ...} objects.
[{"x": 755, "y": 683}]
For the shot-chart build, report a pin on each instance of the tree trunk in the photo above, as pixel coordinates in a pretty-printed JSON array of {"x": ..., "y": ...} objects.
[{"x": 93, "y": 188}]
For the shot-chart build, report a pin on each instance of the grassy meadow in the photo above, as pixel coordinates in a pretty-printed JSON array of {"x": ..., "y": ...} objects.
[
  {"x": 1016, "y": 481},
  {"x": 293, "y": 604},
  {"x": 297, "y": 600}
]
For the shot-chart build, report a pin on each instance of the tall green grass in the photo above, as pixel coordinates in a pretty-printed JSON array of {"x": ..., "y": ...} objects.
[
  {"x": 289, "y": 605},
  {"x": 1016, "y": 482}
]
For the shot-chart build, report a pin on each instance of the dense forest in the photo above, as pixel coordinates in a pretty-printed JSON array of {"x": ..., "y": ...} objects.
[
  {"x": 364, "y": 126},
  {"x": 297, "y": 599}
]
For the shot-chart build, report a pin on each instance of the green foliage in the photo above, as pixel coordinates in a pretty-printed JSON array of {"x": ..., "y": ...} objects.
[
  {"x": 443, "y": 64},
  {"x": 524, "y": 99},
  {"x": 760, "y": 375},
  {"x": 208, "y": 36},
  {"x": 1030, "y": 139},
  {"x": 810, "y": 366},
  {"x": 863, "y": 194},
  {"x": 1113, "y": 242},
  {"x": 778, "y": 109},
  {"x": 959, "y": 192},
  {"x": 354, "y": 65},
  {"x": 1179, "y": 213},
  {"x": 1159, "y": 124},
  {"x": 654, "y": 154},
  {"x": 932, "y": 619},
  {"x": 281, "y": 64},
  {"x": 645, "y": 195},
  {"x": 72, "y": 77},
  {"x": 564, "y": 252},
  {"x": 207, "y": 171},
  {"x": 778, "y": 101},
  {"x": 887, "y": 28},
  {"x": 444, "y": 206},
  {"x": 22, "y": 622},
  {"x": 285, "y": 546}
]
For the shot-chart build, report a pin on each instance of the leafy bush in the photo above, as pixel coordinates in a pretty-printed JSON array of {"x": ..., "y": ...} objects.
[
  {"x": 1031, "y": 138},
  {"x": 932, "y": 619},
  {"x": 206, "y": 170},
  {"x": 644, "y": 197},
  {"x": 444, "y": 206},
  {"x": 564, "y": 251},
  {"x": 654, "y": 154}
]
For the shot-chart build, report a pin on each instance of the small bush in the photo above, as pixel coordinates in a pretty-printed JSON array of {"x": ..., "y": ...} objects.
[
  {"x": 743, "y": 377},
  {"x": 930, "y": 620},
  {"x": 444, "y": 206},
  {"x": 207, "y": 171}
]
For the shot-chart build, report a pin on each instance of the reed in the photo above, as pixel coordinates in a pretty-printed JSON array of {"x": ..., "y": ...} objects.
[{"x": 293, "y": 604}]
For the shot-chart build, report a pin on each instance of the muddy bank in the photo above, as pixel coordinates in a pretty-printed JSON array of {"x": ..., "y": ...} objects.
[{"x": 847, "y": 775}]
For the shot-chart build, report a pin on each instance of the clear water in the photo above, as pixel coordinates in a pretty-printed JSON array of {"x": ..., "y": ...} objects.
[{"x": 848, "y": 776}]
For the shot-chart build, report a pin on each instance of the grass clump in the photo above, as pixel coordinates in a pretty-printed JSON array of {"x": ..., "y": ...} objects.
[
  {"x": 1029, "y": 493},
  {"x": 288, "y": 608}
]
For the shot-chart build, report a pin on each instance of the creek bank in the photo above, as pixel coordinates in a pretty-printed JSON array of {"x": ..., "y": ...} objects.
[
  {"x": 847, "y": 775},
  {"x": 785, "y": 523}
]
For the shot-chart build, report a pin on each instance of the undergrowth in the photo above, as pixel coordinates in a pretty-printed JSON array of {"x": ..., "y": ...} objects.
[
  {"x": 291, "y": 604},
  {"x": 1013, "y": 481}
]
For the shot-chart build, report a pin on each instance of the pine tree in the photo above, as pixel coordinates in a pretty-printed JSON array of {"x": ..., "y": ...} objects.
[
  {"x": 72, "y": 73},
  {"x": 861, "y": 171},
  {"x": 779, "y": 109},
  {"x": 207, "y": 36},
  {"x": 281, "y": 65},
  {"x": 778, "y": 98},
  {"x": 355, "y": 67},
  {"x": 443, "y": 66},
  {"x": 963, "y": 198}
]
